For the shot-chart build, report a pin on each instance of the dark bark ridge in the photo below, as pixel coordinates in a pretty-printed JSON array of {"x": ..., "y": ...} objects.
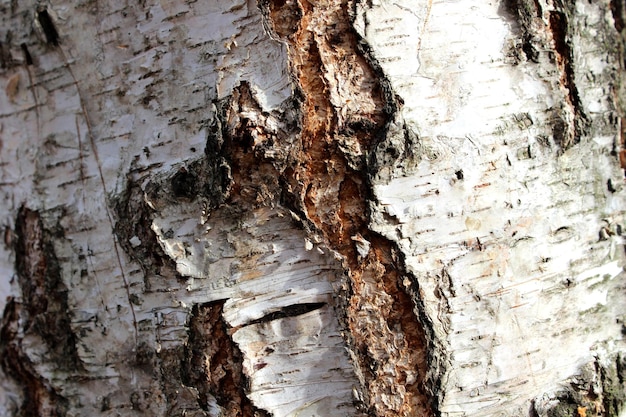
[
  {"x": 618, "y": 10},
  {"x": 213, "y": 363},
  {"x": 539, "y": 31},
  {"x": 42, "y": 314}
]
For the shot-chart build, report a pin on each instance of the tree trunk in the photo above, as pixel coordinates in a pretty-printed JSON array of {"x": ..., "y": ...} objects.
[{"x": 312, "y": 208}]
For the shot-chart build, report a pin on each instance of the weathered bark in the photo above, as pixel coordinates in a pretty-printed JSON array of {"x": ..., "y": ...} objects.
[{"x": 321, "y": 208}]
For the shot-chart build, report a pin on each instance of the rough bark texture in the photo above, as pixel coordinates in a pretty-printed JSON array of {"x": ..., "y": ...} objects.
[{"x": 312, "y": 208}]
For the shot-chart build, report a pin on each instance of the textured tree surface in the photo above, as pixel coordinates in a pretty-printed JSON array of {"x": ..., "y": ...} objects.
[{"x": 312, "y": 208}]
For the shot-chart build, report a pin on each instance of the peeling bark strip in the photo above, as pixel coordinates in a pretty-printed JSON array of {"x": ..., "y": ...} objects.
[
  {"x": 343, "y": 112},
  {"x": 42, "y": 314}
]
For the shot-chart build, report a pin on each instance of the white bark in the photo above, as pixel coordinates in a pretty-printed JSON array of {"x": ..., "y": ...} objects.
[
  {"x": 510, "y": 239},
  {"x": 185, "y": 188}
]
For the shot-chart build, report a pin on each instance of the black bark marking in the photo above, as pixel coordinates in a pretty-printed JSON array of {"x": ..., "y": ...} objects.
[
  {"x": 45, "y": 294},
  {"x": 289, "y": 311},
  {"x": 49, "y": 29},
  {"x": 524, "y": 12},
  {"x": 134, "y": 219},
  {"x": 40, "y": 399},
  {"x": 184, "y": 184},
  {"x": 27, "y": 57},
  {"x": 609, "y": 186},
  {"x": 598, "y": 389},
  {"x": 618, "y": 11},
  {"x": 5, "y": 56},
  {"x": 528, "y": 14}
]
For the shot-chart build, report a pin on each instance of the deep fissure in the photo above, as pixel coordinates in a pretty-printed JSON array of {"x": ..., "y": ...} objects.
[
  {"x": 213, "y": 363},
  {"x": 331, "y": 186},
  {"x": 559, "y": 26}
]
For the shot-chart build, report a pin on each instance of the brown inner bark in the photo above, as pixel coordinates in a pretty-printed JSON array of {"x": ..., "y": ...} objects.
[
  {"x": 214, "y": 363},
  {"x": 330, "y": 181}
]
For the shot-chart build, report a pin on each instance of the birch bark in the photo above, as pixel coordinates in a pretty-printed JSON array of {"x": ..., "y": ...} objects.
[{"x": 312, "y": 208}]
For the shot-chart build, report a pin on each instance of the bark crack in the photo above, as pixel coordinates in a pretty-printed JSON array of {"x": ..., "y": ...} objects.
[
  {"x": 213, "y": 363},
  {"x": 559, "y": 26},
  {"x": 345, "y": 107}
]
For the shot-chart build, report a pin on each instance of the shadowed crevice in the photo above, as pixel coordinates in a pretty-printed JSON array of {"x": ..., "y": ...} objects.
[
  {"x": 213, "y": 363},
  {"x": 329, "y": 181},
  {"x": 48, "y": 27},
  {"x": 42, "y": 315},
  {"x": 559, "y": 26},
  {"x": 288, "y": 311}
]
